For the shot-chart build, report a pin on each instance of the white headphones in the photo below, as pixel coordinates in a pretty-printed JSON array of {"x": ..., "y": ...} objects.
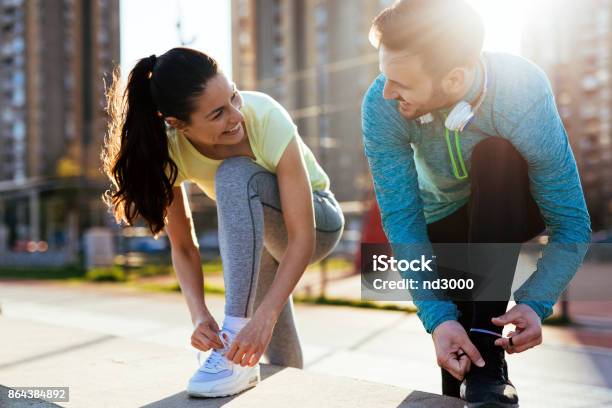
[{"x": 463, "y": 112}]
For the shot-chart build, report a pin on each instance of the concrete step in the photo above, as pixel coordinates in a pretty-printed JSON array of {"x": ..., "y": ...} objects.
[
  {"x": 103, "y": 370},
  {"x": 283, "y": 387}
]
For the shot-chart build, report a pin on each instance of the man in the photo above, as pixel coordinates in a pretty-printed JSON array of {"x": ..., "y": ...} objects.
[{"x": 442, "y": 175}]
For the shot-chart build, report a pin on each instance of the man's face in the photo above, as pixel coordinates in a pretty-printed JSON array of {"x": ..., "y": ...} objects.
[{"x": 407, "y": 82}]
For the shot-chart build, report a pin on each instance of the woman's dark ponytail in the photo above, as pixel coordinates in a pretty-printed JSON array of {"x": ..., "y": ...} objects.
[{"x": 136, "y": 156}]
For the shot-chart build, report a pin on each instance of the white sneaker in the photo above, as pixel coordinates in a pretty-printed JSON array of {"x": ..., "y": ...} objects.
[{"x": 219, "y": 377}]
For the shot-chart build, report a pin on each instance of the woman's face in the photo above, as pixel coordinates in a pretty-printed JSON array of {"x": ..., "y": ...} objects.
[{"x": 217, "y": 119}]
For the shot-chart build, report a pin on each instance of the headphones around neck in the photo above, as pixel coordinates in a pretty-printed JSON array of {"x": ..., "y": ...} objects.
[
  {"x": 458, "y": 119},
  {"x": 463, "y": 112}
]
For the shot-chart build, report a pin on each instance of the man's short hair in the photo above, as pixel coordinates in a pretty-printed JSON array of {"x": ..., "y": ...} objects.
[{"x": 444, "y": 33}]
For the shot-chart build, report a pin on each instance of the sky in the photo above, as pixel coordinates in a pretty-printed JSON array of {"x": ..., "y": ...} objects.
[
  {"x": 503, "y": 20},
  {"x": 149, "y": 26}
]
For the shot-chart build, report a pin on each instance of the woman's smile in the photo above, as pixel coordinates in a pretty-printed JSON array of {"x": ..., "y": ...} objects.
[{"x": 233, "y": 131}]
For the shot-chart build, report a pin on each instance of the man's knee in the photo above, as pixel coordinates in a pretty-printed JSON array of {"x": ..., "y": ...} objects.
[
  {"x": 496, "y": 155},
  {"x": 498, "y": 169}
]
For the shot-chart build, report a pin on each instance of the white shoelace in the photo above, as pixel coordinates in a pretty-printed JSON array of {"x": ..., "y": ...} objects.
[{"x": 216, "y": 360}]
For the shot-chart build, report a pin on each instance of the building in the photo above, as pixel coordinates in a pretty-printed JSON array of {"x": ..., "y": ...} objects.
[
  {"x": 314, "y": 57},
  {"x": 572, "y": 42},
  {"x": 54, "y": 55}
]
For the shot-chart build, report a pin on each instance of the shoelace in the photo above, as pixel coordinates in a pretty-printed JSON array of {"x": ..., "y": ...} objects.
[{"x": 216, "y": 359}]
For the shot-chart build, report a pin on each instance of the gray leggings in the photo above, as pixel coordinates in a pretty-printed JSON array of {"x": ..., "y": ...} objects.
[{"x": 252, "y": 240}]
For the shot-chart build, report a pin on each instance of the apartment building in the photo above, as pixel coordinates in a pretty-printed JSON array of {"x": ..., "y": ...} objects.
[
  {"x": 314, "y": 57},
  {"x": 572, "y": 42},
  {"x": 54, "y": 55}
]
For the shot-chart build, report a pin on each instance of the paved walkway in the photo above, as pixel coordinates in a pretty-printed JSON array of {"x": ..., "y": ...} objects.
[{"x": 115, "y": 347}]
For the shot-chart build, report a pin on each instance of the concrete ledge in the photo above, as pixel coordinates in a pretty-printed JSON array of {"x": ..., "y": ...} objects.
[
  {"x": 283, "y": 387},
  {"x": 126, "y": 363}
]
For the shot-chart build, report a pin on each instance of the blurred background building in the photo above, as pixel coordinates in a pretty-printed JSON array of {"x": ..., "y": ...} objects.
[
  {"x": 311, "y": 55},
  {"x": 54, "y": 57},
  {"x": 572, "y": 41},
  {"x": 314, "y": 57}
]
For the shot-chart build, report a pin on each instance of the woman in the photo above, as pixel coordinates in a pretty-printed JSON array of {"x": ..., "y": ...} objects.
[{"x": 181, "y": 119}]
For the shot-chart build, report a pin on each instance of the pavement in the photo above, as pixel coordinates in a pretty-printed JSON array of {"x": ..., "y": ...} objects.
[{"x": 118, "y": 347}]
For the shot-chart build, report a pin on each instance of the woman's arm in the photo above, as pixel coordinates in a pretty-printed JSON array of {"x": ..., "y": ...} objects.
[
  {"x": 185, "y": 253},
  {"x": 298, "y": 214},
  {"x": 188, "y": 267}
]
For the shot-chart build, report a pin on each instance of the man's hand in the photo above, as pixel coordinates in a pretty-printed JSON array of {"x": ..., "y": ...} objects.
[
  {"x": 454, "y": 350},
  {"x": 528, "y": 331}
]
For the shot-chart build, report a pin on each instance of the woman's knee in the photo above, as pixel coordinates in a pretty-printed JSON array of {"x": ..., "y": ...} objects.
[
  {"x": 237, "y": 175},
  {"x": 235, "y": 168}
]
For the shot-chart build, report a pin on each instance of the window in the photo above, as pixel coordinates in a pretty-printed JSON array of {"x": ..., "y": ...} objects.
[
  {"x": 18, "y": 45},
  {"x": 19, "y": 130},
  {"x": 19, "y": 97},
  {"x": 18, "y": 79}
]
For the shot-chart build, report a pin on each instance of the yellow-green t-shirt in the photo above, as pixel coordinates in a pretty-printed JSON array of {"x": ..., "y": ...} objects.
[{"x": 269, "y": 128}]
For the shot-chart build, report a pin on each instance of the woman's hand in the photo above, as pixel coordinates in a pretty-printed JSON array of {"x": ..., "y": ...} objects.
[
  {"x": 250, "y": 344},
  {"x": 206, "y": 333}
]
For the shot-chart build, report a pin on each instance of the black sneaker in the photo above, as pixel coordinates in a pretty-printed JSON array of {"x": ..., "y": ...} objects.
[{"x": 489, "y": 386}]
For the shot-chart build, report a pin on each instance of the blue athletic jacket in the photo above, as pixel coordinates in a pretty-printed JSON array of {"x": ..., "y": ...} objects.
[{"x": 416, "y": 185}]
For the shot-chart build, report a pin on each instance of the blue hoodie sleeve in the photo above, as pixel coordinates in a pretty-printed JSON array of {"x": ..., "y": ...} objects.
[
  {"x": 540, "y": 137},
  {"x": 390, "y": 156}
]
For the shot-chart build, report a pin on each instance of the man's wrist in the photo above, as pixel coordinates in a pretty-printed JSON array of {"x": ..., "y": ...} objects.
[
  {"x": 432, "y": 313},
  {"x": 439, "y": 326},
  {"x": 540, "y": 308},
  {"x": 443, "y": 319}
]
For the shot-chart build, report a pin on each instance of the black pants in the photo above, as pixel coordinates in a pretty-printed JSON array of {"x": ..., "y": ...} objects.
[{"x": 500, "y": 210}]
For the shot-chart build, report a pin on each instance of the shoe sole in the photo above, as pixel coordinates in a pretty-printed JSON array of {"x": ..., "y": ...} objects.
[{"x": 252, "y": 382}]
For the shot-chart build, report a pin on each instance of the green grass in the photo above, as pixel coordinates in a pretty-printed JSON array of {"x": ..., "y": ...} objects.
[
  {"x": 43, "y": 273},
  {"x": 558, "y": 321},
  {"x": 322, "y": 300},
  {"x": 111, "y": 274},
  {"x": 117, "y": 274},
  {"x": 150, "y": 270},
  {"x": 107, "y": 274},
  {"x": 173, "y": 287},
  {"x": 332, "y": 264},
  {"x": 215, "y": 267}
]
